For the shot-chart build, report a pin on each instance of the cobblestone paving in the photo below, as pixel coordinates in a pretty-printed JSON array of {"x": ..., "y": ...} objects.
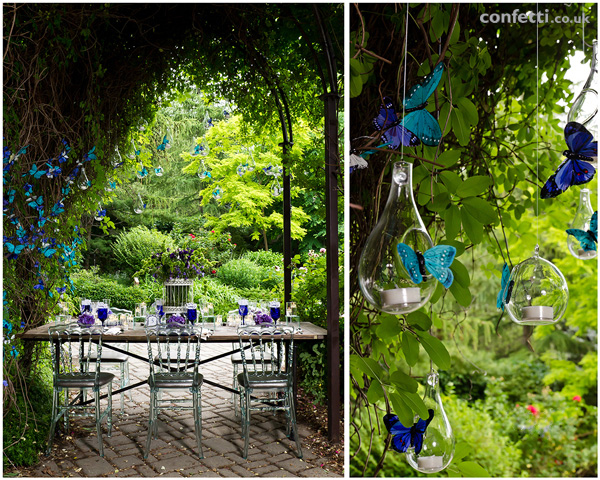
[{"x": 174, "y": 452}]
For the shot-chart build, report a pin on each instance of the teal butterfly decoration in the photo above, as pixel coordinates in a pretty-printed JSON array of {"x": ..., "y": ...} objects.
[
  {"x": 505, "y": 288},
  {"x": 163, "y": 145},
  {"x": 90, "y": 155},
  {"x": 587, "y": 239},
  {"x": 48, "y": 251},
  {"x": 418, "y": 120},
  {"x": 35, "y": 172},
  {"x": 36, "y": 202},
  {"x": 21, "y": 233},
  {"x": 15, "y": 250},
  {"x": 143, "y": 172},
  {"x": 436, "y": 260}
]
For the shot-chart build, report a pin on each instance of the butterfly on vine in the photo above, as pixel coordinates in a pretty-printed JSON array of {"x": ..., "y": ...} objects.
[
  {"x": 393, "y": 133},
  {"x": 163, "y": 145},
  {"x": 576, "y": 169},
  {"x": 418, "y": 120},
  {"x": 405, "y": 437},
  {"x": 35, "y": 172},
  {"x": 505, "y": 288},
  {"x": 436, "y": 260},
  {"x": 587, "y": 238}
]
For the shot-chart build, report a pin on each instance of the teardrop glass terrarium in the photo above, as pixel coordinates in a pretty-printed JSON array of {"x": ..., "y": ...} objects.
[
  {"x": 382, "y": 277},
  {"x": 585, "y": 106},
  {"x": 540, "y": 293},
  {"x": 581, "y": 222},
  {"x": 438, "y": 440}
]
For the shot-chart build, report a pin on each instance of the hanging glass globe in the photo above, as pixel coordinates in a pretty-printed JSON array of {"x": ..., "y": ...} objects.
[
  {"x": 582, "y": 222},
  {"x": 438, "y": 440},
  {"x": 139, "y": 206},
  {"x": 159, "y": 171},
  {"x": 382, "y": 277},
  {"x": 217, "y": 193},
  {"x": 83, "y": 183},
  {"x": 540, "y": 293},
  {"x": 585, "y": 106}
]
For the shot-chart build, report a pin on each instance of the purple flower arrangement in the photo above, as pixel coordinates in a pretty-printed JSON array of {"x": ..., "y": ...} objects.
[
  {"x": 176, "y": 319},
  {"x": 262, "y": 319},
  {"x": 86, "y": 320},
  {"x": 188, "y": 263}
]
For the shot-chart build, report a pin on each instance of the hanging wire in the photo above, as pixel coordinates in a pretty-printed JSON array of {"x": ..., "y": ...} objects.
[
  {"x": 537, "y": 121},
  {"x": 405, "y": 67}
]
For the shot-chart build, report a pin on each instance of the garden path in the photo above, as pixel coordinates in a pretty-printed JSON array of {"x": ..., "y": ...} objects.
[{"x": 173, "y": 454}]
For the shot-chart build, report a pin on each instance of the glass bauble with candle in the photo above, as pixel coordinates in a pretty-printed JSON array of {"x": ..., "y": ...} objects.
[
  {"x": 585, "y": 107},
  {"x": 438, "y": 440},
  {"x": 540, "y": 293},
  {"x": 383, "y": 279},
  {"x": 583, "y": 215}
]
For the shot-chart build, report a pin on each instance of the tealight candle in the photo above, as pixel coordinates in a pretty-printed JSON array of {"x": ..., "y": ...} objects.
[
  {"x": 400, "y": 296},
  {"x": 538, "y": 313},
  {"x": 586, "y": 254},
  {"x": 431, "y": 462}
]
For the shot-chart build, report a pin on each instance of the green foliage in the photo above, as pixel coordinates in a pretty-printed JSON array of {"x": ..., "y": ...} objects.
[
  {"x": 134, "y": 246},
  {"x": 242, "y": 273},
  {"x": 314, "y": 372},
  {"x": 217, "y": 247},
  {"x": 268, "y": 259},
  {"x": 223, "y": 297},
  {"x": 25, "y": 435},
  {"x": 187, "y": 263}
]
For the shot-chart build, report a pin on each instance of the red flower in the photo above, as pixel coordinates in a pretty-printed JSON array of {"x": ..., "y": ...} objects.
[
  {"x": 532, "y": 409},
  {"x": 192, "y": 235},
  {"x": 577, "y": 398},
  {"x": 212, "y": 231},
  {"x": 517, "y": 405}
]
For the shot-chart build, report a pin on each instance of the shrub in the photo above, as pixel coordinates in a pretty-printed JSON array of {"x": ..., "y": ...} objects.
[
  {"x": 134, "y": 246},
  {"x": 265, "y": 258},
  {"x": 223, "y": 297},
  {"x": 25, "y": 435},
  {"x": 217, "y": 247},
  {"x": 314, "y": 370},
  {"x": 244, "y": 274}
]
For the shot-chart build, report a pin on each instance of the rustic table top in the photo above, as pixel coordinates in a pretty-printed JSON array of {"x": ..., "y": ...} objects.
[{"x": 308, "y": 331}]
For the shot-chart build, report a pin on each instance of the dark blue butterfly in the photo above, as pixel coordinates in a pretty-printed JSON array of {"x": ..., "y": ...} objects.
[
  {"x": 505, "y": 288},
  {"x": 393, "y": 133},
  {"x": 209, "y": 123},
  {"x": 163, "y": 145},
  {"x": 418, "y": 120},
  {"x": 64, "y": 155},
  {"x": 575, "y": 170},
  {"x": 587, "y": 239},
  {"x": 90, "y": 155},
  {"x": 436, "y": 260},
  {"x": 405, "y": 437}
]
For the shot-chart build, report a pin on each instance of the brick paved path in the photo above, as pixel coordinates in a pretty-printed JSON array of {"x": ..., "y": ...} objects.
[{"x": 173, "y": 454}]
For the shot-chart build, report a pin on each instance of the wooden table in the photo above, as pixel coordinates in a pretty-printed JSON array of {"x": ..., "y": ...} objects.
[{"x": 310, "y": 332}]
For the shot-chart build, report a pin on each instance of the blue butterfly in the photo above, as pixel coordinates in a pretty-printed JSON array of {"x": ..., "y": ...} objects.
[
  {"x": 53, "y": 171},
  {"x": 505, "y": 288},
  {"x": 10, "y": 195},
  {"x": 163, "y": 145},
  {"x": 90, "y": 155},
  {"x": 418, "y": 120},
  {"x": 35, "y": 172},
  {"x": 588, "y": 239},
  {"x": 393, "y": 133},
  {"x": 48, "y": 252},
  {"x": 21, "y": 233},
  {"x": 198, "y": 149},
  {"x": 225, "y": 113},
  {"x": 436, "y": 260},
  {"x": 209, "y": 123},
  {"x": 575, "y": 170},
  {"x": 40, "y": 285},
  {"x": 14, "y": 249},
  {"x": 405, "y": 437},
  {"x": 36, "y": 202},
  {"x": 64, "y": 155},
  {"x": 143, "y": 172},
  {"x": 57, "y": 208}
]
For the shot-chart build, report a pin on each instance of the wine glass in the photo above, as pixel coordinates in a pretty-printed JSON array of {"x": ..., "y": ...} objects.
[
  {"x": 192, "y": 312},
  {"x": 159, "y": 307},
  {"x": 275, "y": 310},
  {"x": 243, "y": 309},
  {"x": 86, "y": 305},
  {"x": 102, "y": 312}
]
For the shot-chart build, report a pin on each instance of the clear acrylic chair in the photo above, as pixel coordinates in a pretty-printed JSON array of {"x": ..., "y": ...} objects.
[
  {"x": 112, "y": 358},
  {"x": 174, "y": 355},
  {"x": 267, "y": 359},
  {"x": 70, "y": 345}
]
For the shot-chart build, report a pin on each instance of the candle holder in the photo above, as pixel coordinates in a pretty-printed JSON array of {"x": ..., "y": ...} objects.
[{"x": 540, "y": 293}]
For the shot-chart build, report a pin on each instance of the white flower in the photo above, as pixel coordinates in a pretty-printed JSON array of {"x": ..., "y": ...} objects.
[{"x": 323, "y": 250}]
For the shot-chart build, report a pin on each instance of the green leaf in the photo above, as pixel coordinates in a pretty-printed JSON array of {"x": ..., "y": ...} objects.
[
  {"x": 462, "y": 450},
  {"x": 461, "y": 294},
  {"x": 461, "y": 274},
  {"x": 356, "y": 370},
  {"x": 410, "y": 348},
  {"x": 435, "y": 349},
  {"x": 480, "y": 210},
  {"x": 472, "y": 469},
  {"x": 473, "y": 186},
  {"x": 375, "y": 391},
  {"x": 389, "y": 326},
  {"x": 451, "y": 180},
  {"x": 405, "y": 414},
  {"x": 460, "y": 127},
  {"x": 439, "y": 291},
  {"x": 416, "y": 404},
  {"x": 449, "y": 157},
  {"x": 468, "y": 109},
  {"x": 473, "y": 228},
  {"x": 440, "y": 202},
  {"x": 419, "y": 320},
  {"x": 452, "y": 222},
  {"x": 403, "y": 381}
]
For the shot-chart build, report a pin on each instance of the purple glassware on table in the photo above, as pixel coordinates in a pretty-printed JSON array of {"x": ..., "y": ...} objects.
[
  {"x": 102, "y": 313},
  {"x": 275, "y": 311},
  {"x": 192, "y": 314},
  {"x": 243, "y": 309}
]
